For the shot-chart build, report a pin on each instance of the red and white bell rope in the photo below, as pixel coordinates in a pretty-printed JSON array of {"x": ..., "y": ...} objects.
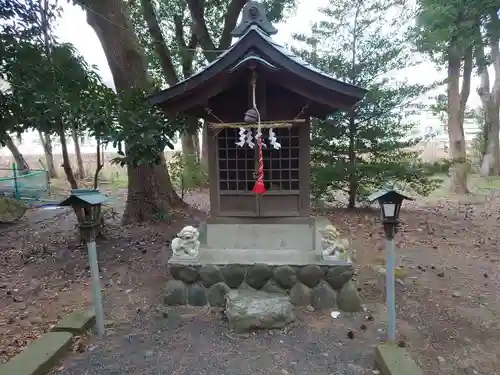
[{"x": 259, "y": 187}]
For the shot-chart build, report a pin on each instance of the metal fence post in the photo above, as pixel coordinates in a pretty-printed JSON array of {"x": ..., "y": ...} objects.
[{"x": 16, "y": 187}]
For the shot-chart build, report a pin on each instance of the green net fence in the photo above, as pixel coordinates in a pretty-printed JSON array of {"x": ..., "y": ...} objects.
[{"x": 33, "y": 184}]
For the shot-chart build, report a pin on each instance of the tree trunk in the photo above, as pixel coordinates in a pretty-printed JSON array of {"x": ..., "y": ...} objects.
[
  {"x": 490, "y": 164},
  {"x": 78, "y": 153},
  {"x": 150, "y": 190},
  {"x": 490, "y": 99},
  {"x": 456, "y": 109},
  {"x": 49, "y": 156},
  {"x": 21, "y": 164},
  {"x": 66, "y": 162}
]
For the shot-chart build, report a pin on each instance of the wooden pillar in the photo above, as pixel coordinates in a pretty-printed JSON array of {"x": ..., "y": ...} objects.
[
  {"x": 213, "y": 170},
  {"x": 305, "y": 168}
]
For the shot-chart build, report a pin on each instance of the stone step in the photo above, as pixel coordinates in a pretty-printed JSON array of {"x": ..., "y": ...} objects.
[
  {"x": 248, "y": 310},
  {"x": 255, "y": 256},
  {"x": 260, "y": 236}
]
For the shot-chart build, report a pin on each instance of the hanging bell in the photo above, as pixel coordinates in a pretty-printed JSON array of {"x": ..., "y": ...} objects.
[{"x": 251, "y": 116}]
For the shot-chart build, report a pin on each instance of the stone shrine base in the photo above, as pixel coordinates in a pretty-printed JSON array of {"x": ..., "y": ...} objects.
[
  {"x": 322, "y": 286},
  {"x": 269, "y": 255}
]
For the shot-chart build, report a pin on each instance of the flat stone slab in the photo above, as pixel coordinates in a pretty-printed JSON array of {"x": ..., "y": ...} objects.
[
  {"x": 77, "y": 322},
  {"x": 393, "y": 360},
  {"x": 247, "y": 310},
  {"x": 39, "y": 357},
  {"x": 260, "y": 236},
  {"x": 255, "y": 256}
]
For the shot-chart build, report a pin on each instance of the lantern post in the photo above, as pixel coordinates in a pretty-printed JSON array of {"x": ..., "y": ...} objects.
[
  {"x": 87, "y": 205},
  {"x": 390, "y": 201}
]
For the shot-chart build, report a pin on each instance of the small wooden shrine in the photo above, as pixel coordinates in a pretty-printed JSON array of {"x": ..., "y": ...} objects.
[{"x": 256, "y": 100}]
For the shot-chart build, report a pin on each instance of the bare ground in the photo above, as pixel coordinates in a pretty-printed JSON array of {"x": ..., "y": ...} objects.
[
  {"x": 448, "y": 307},
  {"x": 198, "y": 342}
]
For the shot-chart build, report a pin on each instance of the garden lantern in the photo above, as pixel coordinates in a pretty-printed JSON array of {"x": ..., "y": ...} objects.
[
  {"x": 390, "y": 201},
  {"x": 87, "y": 206}
]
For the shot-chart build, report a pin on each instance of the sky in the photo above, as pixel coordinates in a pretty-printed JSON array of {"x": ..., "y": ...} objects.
[{"x": 73, "y": 28}]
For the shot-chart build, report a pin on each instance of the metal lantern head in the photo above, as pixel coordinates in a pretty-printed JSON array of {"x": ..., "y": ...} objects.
[
  {"x": 390, "y": 201},
  {"x": 87, "y": 205},
  {"x": 390, "y": 209}
]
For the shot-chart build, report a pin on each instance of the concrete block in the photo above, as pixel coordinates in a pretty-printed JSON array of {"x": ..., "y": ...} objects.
[
  {"x": 77, "y": 322},
  {"x": 39, "y": 357},
  {"x": 393, "y": 360}
]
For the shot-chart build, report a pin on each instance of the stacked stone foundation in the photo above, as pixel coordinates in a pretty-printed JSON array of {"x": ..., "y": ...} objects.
[{"x": 323, "y": 287}]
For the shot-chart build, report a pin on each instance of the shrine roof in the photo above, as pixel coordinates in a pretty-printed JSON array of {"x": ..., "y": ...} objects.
[{"x": 255, "y": 47}]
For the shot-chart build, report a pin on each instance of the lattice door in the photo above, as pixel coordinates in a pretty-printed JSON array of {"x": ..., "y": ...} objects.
[
  {"x": 281, "y": 167},
  {"x": 236, "y": 164},
  {"x": 238, "y": 170}
]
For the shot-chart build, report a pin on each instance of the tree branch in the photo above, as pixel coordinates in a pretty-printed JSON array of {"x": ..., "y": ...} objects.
[
  {"x": 159, "y": 45},
  {"x": 230, "y": 20},
  {"x": 186, "y": 51},
  {"x": 197, "y": 11}
]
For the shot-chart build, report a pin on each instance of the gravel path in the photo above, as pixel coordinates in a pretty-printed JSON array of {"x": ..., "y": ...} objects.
[{"x": 197, "y": 342}]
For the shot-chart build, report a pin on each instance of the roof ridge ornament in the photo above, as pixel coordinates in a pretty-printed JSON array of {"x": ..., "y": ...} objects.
[{"x": 253, "y": 13}]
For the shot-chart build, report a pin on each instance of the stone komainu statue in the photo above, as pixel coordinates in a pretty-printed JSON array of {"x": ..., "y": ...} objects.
[{"x": 186, "y": 243}]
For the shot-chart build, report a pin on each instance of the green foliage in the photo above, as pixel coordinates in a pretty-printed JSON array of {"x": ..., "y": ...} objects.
[
  {"x": 49, "y": 83},
  {"x": 455, "y": 23},
  {"x": 357, "y": 151},
  {"x": 440, "y": 23},
  {"x": 48, "y": 90},
  {"x": 143, "y": 128},
  {"x": 52, "y": 88},
  {"x": 452, "y": 23},
  {"x": 17, "y": 25},
  {"x": 186, "y": 173}
]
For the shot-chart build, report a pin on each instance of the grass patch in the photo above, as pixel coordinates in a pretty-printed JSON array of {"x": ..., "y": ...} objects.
[{"x": 490, "y": 183}]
